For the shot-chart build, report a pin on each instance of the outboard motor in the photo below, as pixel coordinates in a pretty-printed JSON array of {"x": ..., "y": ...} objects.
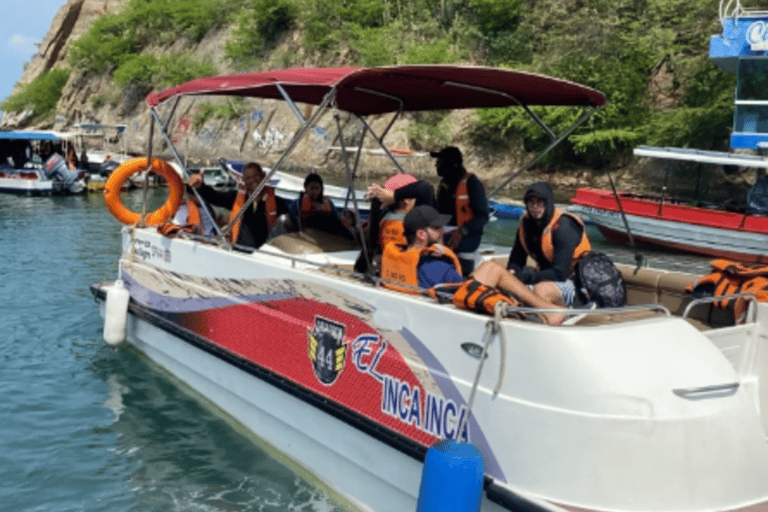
[{"x": 55, "y": 169}]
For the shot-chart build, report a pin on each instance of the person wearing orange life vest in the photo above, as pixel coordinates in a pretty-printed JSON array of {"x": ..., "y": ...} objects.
[
  {"x": 314, "y": 210},
  {"x": 192, "y": 215},
  {"x": 554, "y": 240},
  {"x": 425, "y": 262},
  {"x": 461, "y": 195},
  {"x": 259, "y": 219}
]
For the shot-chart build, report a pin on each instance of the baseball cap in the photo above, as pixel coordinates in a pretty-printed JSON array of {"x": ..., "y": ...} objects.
[
  {"x": 450, "y": 153},
  {"x": 422, "y": 217},
  {"x": 399, "y": 180}
]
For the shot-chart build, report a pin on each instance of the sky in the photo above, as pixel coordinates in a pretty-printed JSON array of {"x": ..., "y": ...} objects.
[{"x": 23, "y": 25}]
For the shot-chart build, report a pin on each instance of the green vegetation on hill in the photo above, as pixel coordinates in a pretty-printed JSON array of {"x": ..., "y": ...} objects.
[
  {"x": 648, "y": 56},
  {"x": 39, "y": 96}
]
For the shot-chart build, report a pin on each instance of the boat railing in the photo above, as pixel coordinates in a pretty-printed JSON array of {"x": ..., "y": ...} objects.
[
  {"x": 751, "y": 298},
  {"x": 732, "y": 9}
]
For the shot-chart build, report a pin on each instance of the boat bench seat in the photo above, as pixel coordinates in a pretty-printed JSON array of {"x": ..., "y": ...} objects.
[
  {"x": 646, "y": 286},
  {"x": 312, "y": 241}
]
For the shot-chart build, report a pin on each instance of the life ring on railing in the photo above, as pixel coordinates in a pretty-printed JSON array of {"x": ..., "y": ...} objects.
[{"x": 137, "y": 165}]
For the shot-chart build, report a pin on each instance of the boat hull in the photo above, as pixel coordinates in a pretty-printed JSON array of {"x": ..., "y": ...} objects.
[
  {"x": 27, "y": 183},
  {"x": 356, "y": 382},
  {"x": 682, "y": 228}
]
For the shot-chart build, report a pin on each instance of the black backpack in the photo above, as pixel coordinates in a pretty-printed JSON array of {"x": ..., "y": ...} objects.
[{"x": 597, "y": 279}]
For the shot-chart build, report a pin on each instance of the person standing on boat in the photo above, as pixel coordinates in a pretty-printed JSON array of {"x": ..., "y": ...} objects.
[
  {"x": 461, "y": 195},
  {"x": 255, "y": 225},
  {"x": 425, "y": 262},
  {"x": 555, "y": 240}
]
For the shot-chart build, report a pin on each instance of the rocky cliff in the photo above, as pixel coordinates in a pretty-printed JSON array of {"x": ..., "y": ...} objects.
[{"x": 263, "y": 128}]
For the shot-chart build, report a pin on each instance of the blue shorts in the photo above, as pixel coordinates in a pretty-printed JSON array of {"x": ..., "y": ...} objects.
[{"x": 567, "y": 290}]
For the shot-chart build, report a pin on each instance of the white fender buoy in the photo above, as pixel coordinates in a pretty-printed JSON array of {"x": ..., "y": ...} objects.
[{"x": 115, "y": 313}]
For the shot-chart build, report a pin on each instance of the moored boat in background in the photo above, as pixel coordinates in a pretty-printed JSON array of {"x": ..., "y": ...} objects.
[{"x": 24, "y": 170}]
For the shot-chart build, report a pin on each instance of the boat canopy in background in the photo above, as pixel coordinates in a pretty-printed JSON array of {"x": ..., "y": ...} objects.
[{"x": 366, "y": 91}]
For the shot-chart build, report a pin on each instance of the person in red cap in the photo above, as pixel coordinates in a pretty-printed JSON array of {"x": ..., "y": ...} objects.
[
  {"x": 424, "y": 262},
  {"x": 389, "y": 204},
  {"x": 460, "y": 194}
]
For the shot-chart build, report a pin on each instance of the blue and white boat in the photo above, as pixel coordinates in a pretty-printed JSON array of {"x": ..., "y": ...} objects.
[{"x": 23, "y": 170}]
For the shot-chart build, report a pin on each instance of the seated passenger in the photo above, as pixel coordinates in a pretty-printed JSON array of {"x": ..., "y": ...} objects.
[
  {"x": 387, "y": 212},
  {"x": 349, "y": 219},
  {"x": 313, "y": 209},
  {"x": 193, "y": 217},
  {"x": 425, "y": 263},
  {"x": 255, "y": 225},
  {"x": 554, "y": 239}
]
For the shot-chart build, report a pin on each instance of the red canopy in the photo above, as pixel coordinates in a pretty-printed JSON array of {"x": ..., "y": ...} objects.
[{"x": 367, "y": 91}]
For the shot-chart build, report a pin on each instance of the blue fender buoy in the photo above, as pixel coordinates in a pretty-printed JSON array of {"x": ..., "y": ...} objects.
[{"x": 452, "y": 478}]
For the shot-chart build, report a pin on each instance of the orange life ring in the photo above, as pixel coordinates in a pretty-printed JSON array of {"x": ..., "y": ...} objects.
[{"x": 136, "y": 165}]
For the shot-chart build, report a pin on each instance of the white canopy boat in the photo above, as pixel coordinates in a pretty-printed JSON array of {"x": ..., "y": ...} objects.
[{"x": 656, "y": 406}]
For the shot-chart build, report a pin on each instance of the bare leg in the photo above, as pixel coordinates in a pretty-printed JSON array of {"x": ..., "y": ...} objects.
[
  {"x": 550, "y": 292},
  {"x": 491, "y": 273}
]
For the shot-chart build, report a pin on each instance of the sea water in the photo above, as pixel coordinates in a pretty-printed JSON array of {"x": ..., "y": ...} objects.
[{"x": 84, "y": 427}]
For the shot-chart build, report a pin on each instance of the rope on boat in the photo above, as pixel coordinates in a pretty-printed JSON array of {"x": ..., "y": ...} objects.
[{"x": 492, "y": 328}]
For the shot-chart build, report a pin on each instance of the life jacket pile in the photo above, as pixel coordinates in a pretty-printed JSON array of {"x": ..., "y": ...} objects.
[
  {"x": 399, "y": 265},
  {"x": 731, "y": 277}
]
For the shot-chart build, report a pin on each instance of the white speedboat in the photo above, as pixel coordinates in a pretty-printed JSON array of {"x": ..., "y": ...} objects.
[
  {"x": 22, "y": 170},
  {"x": 656, "y": 406}
]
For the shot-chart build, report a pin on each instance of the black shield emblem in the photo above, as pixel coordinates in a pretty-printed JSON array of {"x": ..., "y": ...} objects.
[{"x": 326, "y": 349}]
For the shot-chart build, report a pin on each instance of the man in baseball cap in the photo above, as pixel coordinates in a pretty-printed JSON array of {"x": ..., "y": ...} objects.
[{"x": 427, "y": 263}]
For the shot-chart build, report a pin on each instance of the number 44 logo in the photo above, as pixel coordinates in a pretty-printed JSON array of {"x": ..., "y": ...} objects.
[{"x": 326, "y": 349}]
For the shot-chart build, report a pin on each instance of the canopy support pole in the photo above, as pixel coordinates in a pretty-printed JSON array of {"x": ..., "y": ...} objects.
[
  {"x": 549, "y": 148},
  {"x": 184, "y": 172},
  {"x": 330, "y": 97}
]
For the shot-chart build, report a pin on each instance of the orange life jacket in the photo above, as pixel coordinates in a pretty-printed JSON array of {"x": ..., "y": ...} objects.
[
  {"x": 731, "y": 277},
  {"x": 193, "y": 215},
  {"x": 464, "y": 211},
  {"x": 271, "y": 209},
  {"x": 547, "y": 247},
  {"x": 306, "y": 210},
  {"x": 462, "y": 206},
  {"x": 391, "y": 229},
  {"x": 400, "y": 265},
  {"x": 474, "y": 296}
]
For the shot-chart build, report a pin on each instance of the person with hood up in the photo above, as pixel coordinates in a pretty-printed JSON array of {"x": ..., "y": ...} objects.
[{"x": 554, "y": 239}]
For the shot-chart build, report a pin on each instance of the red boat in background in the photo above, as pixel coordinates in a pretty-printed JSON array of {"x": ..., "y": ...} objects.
[{"x": 671, "y": 223}]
